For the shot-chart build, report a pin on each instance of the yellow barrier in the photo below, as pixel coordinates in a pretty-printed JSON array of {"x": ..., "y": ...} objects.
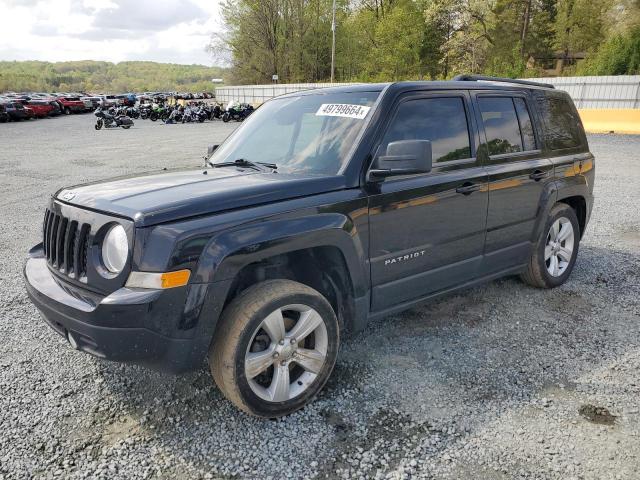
[{"x": 626, "y": 121}]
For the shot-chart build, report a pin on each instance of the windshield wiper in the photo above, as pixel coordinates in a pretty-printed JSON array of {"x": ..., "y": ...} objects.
[{"x": 241, "y": 162}]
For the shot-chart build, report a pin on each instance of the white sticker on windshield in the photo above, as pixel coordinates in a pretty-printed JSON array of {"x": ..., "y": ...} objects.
[{"x": 343, "y": 110}]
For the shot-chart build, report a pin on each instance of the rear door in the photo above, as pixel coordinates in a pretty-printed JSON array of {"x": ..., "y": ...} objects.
[
  {"x": 427, "y": 230},
  {"x": 519, "y": 176}
]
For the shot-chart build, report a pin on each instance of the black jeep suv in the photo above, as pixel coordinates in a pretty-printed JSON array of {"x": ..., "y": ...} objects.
[{"x": 324, "y": 210}]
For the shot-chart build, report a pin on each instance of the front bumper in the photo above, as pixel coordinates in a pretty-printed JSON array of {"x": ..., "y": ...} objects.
[{"x": 114, "y": 327}]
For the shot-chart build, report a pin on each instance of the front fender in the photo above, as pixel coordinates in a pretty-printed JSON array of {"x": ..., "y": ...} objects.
[{"x": 228, "y": 252}]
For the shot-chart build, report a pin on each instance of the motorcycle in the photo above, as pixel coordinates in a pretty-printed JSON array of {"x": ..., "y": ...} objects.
[
  {"x": 132, "y": 112},
  {"x": 201, "y": 114},
  {"x": 215, "y": 112},
  {"x": 160, "y": 113},
  {"x": 174, "y": 115},
  {"x": 107, "y": 120},
  {"x": 237, "y": 112},
  {"x": 145, "y": 111}
]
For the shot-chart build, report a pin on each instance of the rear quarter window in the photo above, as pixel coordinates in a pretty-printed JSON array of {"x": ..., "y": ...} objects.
[{"x": 563, "y": 128}]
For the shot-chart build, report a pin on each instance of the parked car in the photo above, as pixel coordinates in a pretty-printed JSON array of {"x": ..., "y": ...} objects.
[
  {"x": 126, "y": 99},
  {"x": 16, "y": 111},
  {"x": 4, "y": 116},
  {"x": 88, "y": 104},
  {"x": 71, "y": 105},
  {"x": 41, "y": 108},
  {"x": 108, "y": 101},
  {"x": 324, "y": 210},
  {"x": 55, "y": 108},
  {"x": 29, "y": 112}
]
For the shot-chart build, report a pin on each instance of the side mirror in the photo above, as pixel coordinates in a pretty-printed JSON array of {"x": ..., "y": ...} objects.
[{"x": 404, "y": 157}]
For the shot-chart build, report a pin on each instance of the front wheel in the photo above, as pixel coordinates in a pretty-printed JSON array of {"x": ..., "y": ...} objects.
[
  {"x": 226, "y": 117},
  {"x": 98, "y": 124},
  {"x": 555, "y": 252},
  {"x": 67, "y": 111},
  {"x": 153, "y": 117},
  {"x": 274, "y": 348}
]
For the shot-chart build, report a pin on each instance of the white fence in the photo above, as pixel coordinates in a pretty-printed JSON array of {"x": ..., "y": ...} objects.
[
  {"x": 600, "y": 92},
  {"x": 257, "y": 94},
  {"x": 587, "y": 92}
]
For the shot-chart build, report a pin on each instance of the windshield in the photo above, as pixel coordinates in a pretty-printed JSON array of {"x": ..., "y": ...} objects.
[{"x": 305, "y": 134}]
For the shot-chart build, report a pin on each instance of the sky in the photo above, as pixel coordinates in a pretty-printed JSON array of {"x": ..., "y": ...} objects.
[{"x": 169, "y": 31}]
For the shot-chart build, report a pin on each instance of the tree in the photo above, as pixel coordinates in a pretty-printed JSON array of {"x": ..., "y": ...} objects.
[{"x": 408, "y": 39}]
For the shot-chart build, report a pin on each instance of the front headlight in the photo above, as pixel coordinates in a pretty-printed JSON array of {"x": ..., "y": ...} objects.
[{"x": 115, "y": 249}]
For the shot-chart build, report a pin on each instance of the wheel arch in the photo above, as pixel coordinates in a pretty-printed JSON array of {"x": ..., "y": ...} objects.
[
  {"x": 322, "y": 268},
  {"x": 323, "y": 251},
  {"x": 579, "y": 204}
]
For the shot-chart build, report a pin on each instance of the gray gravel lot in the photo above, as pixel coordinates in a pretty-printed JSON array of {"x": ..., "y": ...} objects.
[{"x": 485, "y": 384}]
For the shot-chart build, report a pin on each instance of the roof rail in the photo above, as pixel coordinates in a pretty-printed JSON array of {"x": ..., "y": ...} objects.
[{"x": 475, "y": 78}]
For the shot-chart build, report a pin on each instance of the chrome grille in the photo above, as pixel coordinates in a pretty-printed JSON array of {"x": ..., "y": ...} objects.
[{"x": 66, "y": 243}]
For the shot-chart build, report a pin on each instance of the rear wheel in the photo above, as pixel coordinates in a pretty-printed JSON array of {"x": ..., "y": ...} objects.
[
  {"x": 555, "y": 253},
  {"x": 275, "y": 348}
]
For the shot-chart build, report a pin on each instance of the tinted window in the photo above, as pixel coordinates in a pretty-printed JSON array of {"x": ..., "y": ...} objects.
[
  {"x": 500, "y": 125},
  {"x": 526, "y": 127},
  {"x": 443, "y": 121},
  {"x": 562, "y": 122}
]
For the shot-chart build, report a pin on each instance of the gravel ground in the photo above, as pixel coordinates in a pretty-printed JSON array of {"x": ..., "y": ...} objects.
[{"x": 499, "y": 382}]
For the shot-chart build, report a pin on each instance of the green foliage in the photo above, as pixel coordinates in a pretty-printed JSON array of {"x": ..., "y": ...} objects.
[
  {"x": 105, "y": 77},
  {"x": 385, "y": 40},
  {"x": 620, "y": 55}
]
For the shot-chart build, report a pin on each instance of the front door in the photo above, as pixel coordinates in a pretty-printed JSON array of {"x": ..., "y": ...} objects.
[{"x": 427, "y": 231}]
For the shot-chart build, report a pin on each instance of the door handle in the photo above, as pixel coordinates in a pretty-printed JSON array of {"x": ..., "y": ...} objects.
[
  {"x": 538, "y": 175},
  {"x": 468, "y": 188}
]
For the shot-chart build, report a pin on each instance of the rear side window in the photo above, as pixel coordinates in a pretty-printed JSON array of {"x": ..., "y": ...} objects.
[
  {"x": 500, "y": 125},
  {"x": 442, "y": 121},
  {"x": 561, "y": 121}
]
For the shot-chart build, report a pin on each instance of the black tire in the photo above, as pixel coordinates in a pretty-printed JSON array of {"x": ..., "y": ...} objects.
[
  {"x": 537, "y": 273},
  {"x": 98, "y": 124},
  {"x": 226, "y": 117},
  {"x": 126, "y": 127},
  {"x": 67, "y": 111},
  {"x": 238, "y": 329},
  {"x": 153, "y": 117}
]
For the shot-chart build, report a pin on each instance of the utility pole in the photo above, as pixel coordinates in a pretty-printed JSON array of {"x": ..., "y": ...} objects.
[{"x": 333, "y": 42}]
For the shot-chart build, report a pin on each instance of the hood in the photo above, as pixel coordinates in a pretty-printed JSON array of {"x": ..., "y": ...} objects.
[{"x": 157, "y": 198}]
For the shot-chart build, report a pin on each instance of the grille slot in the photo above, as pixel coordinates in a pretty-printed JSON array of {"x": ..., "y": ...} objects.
[{"x": 66, "y": 243}]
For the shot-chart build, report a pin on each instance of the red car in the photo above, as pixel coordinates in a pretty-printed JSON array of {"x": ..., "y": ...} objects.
[
  {"x": 40, "y": 108},
  {"x": 29, "y": 113},
  {"x": 70, "y": 104}
]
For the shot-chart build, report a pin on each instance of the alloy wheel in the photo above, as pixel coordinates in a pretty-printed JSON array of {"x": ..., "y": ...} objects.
[
  {"x": 286, "y": 353},
  {"x": 558, "y": 249}
]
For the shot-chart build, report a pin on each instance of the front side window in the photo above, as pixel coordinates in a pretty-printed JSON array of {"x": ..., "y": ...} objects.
[
  {"x": 442, "y": 121},
  {"x": 311, "y": 133},
  {"x": 500, "y": 125}
]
